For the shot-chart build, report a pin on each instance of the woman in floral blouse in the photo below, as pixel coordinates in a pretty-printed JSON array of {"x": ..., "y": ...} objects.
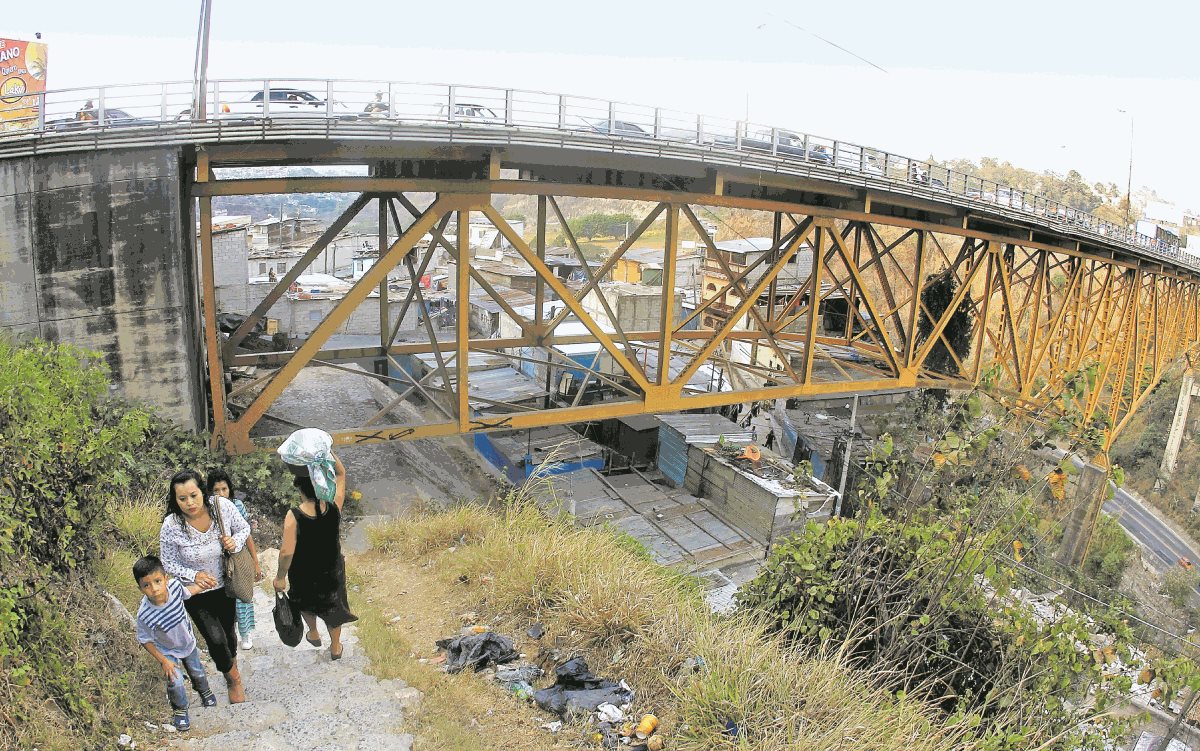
[{"x": 191, "y": 549}]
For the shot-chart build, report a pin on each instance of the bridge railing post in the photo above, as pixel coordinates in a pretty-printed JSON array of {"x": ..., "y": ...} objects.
[
  {"x": 775, "y": 143},
  {"x": 737, "y": 138},
  {"x": 508, "y": 106},
  {"x": 699, "y": 128},
  {"x": 612, "y": 118},
  {"x": 162, "y": 104},
  {"x": 267, "y": 101},
  {"x": 391, "y": 98},
  {"x": 450, "y": 94},
  {"x": 216, "y": 103},
  {"x": 41, "y": 112},
  {"x": 657, "y": 122},
  {"x": 328, "y": 98},
  {"x": 100, "y": 106},
  {"x": 562, "y": 112}
]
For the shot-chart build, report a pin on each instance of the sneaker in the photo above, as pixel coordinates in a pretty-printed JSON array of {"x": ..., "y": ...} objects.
[
  {"x": 208, "y": 699},
  {"x": 246, "y": 642},
  {"x": 181, "y": 721}
]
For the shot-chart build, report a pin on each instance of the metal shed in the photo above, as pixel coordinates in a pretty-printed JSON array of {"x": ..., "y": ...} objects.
[{"x": 677, "y": 431}]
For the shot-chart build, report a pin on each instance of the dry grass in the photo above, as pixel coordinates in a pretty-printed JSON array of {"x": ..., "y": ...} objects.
[
  {"x": 134, "y": 520},
  {"x": 408, "y": 607},
  {"x": 636, "y": 620}
]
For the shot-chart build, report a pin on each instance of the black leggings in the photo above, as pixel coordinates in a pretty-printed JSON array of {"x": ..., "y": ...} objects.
[{"x": 215, "y": 614}]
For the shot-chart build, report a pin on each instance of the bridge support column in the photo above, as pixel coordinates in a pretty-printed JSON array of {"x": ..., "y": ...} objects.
[
  {"x": 1175, "y": 437},
  {"x": 1089, "y": 497}
]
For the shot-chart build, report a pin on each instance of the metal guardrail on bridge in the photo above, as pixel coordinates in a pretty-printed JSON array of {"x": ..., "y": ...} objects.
[{"x": 166, "y": 106}]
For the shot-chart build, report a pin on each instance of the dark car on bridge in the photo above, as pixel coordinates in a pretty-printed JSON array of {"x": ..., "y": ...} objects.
[
  {"x": 786, "y": 143},
  {"x": 112, "y": 118}
]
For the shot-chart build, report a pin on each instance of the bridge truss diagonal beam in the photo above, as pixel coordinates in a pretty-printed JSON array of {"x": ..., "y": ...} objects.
[{"x": 1036, "y": 314}]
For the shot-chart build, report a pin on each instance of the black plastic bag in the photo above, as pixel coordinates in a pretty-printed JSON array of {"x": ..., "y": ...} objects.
[
  {"x": 578, "y": 691},
  {"x": 477, "y": 651},
  {"x": 287, "y": 621}
]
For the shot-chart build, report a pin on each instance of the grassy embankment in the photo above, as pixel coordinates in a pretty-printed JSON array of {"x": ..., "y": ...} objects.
[{"x": 598, "y": 595}]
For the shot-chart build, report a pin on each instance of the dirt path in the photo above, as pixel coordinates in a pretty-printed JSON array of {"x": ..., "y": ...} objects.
[{"x": 299, "y": 699}]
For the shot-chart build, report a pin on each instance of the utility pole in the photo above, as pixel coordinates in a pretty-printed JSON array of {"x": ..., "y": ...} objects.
[
  {"x": 200, "y": 74},
  {"x": 837, "y": 509}
]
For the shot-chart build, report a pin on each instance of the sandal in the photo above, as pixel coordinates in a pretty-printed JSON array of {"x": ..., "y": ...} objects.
[
  {"x": 315, "y": 642},
  {"x": 338, "y": 655}
]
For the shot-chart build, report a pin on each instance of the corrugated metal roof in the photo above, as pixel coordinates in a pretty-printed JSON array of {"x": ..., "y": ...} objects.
[
  {"x": 640, "y": 422},
  {"x": 706, "y": 428}
]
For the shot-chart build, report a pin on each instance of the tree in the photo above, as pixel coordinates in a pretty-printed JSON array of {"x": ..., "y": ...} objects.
[{"x": 1179, "y": 584}]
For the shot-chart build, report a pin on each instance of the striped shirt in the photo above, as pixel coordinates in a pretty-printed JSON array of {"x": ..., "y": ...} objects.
[{"x": 167, "y": 625}]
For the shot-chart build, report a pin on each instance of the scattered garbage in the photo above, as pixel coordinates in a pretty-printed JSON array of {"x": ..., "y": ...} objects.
[
  {"x": 523, "y": 690},
  {"x": 477, "y": 651},
  {"x": 523, "y": 672},
  {"x": 655, "y": 743},
  {"x": 609, "y": 713},
  {"x": 577, "y": 691},
  {"x": 693, "y": 664},
  {"x": 553, "y": 727},
  {"x": 536, "y": 631},
  {"x": 646, "y": 727}
]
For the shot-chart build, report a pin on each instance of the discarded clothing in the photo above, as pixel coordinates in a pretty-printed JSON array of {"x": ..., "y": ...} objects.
[{"x": 477, "y": 651}]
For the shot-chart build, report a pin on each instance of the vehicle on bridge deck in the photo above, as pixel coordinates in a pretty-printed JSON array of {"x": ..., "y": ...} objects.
[
  {"x": 785, "y": 142},
  {"x": 475, "y": 114},
  {"x": 615, "y": 128},
  {"x": 280, "y": 103},
  {"x": 112, "y": 118}
]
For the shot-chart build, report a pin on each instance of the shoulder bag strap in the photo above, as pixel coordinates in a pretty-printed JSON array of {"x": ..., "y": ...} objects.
[{"x": 216, "y": 499}]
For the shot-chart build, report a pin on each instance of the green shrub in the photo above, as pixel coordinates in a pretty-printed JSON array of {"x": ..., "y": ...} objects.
[{"x": 62, "y": 463}]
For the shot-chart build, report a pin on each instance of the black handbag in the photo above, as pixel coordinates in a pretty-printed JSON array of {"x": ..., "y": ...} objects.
[{"x": 287, "y": 621}]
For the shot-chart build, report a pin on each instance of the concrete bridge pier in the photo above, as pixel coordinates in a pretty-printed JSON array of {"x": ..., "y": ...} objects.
[
  {"x": 96, "y": 250},
  {"x": 1090, "y": 495},
  {"x": 1187, "y": 389}
]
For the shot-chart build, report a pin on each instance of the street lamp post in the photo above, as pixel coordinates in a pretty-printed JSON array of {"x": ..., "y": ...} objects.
[
  {"x": 1129, "y": 179},
  {"x": 200, "y": 78}
]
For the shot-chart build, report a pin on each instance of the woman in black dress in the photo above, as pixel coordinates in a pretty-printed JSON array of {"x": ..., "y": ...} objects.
[{"x": 310, "y": 558}]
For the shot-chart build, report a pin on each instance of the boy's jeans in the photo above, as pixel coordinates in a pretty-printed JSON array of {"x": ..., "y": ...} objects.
[{"x": 176, "y": 691}]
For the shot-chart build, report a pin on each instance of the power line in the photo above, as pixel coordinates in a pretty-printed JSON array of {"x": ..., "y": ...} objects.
[{"x": 826, "y": 41}]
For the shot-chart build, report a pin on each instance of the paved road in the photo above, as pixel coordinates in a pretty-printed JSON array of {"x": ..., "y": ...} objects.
[{"x": 1163, "y": 545}]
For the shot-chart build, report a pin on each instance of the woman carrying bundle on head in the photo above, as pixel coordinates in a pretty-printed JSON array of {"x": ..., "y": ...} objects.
[{"x": 310, "y": 557}]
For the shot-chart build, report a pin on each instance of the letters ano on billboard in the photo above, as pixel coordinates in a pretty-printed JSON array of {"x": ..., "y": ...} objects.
[{"x": 22, "y": 81}]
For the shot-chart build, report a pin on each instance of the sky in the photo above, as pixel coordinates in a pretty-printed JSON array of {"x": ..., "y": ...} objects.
[{"x": 1039, "y": 84}]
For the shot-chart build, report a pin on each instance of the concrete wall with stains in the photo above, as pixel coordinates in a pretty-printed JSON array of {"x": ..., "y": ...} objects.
[{"x": 93, "y": 252}]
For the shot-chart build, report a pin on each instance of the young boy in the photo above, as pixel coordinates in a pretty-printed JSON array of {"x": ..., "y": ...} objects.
[{"x": 164, "y": 630}]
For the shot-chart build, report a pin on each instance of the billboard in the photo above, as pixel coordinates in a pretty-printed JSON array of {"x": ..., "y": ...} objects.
[{"x": 22, "y": 80}]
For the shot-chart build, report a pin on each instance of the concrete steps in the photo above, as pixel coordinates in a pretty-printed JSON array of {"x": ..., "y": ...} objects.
[{"x": 300, "y": 700}]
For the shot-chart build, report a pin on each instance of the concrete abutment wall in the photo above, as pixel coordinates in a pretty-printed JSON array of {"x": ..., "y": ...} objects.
[{"x": 96, "y": 250}]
